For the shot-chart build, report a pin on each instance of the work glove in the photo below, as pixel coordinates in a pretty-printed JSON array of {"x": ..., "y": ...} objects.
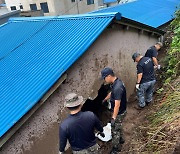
[
  {"x": 112, "y": 122},
  {"x": 102, "y": 134},
  {"x": 138, "y": 86},
  {"x": 103, "y": 100},
  {"x": 159, "y": 67}
]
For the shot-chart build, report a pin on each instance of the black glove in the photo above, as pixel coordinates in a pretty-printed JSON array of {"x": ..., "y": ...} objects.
[
  {"x": 112, "y": 122},
  {"x": 102, "y": 134}
]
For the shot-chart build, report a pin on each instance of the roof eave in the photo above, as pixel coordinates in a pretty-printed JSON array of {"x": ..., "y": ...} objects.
[{"x": 138, "y": 25}]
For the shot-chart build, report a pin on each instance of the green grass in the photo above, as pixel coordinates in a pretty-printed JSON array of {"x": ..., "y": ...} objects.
[{"x": 167, "y": 111}]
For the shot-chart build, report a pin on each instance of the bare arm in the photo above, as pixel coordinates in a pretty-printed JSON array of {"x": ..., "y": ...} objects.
[
  {"x": 107, "y": 97},
  {"x": 139, "y": 77},
  {"x": 155, "y": 61},
  {"x": 116, "y": 108}
]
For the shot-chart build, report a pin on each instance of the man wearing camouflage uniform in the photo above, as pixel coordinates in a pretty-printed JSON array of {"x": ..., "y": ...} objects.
[{"x": 118, "y": 102}]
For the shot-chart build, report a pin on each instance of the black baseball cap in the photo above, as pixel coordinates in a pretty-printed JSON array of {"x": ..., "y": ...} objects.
[{"x": 105, "y": 72}]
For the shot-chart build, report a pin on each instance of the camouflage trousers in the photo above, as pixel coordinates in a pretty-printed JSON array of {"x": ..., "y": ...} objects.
[
  {"x": 117, "y": 130},
  {"x": 92, "y": 150}
]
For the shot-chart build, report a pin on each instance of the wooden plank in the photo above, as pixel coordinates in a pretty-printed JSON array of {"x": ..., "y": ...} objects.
[{"x": 10, "y": 133}]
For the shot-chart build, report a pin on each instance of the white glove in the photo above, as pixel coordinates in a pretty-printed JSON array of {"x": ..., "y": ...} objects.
[
  {"x": 138, "y": 86},
  {"x": 159, "y": 67}
]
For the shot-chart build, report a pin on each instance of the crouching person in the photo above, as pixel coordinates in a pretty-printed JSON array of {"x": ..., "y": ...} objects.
[{"x": 78, "y": 128}]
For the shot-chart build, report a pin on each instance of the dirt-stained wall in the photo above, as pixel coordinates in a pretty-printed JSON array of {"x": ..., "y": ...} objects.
[{"x": 114, "y": 47}]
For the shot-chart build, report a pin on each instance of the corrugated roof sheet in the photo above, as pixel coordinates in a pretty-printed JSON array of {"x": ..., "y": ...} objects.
[
  {"x": 149, "y": 12},
  {"x": 109, "y": 1},
  {"x": 35, "y": 52}
]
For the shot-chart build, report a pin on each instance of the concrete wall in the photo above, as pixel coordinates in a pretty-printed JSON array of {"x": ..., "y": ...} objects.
[
  {"x": 39, "y": 135},
  {"x": 10, "y": 3},
  {"x": 114, "y": 48},
  {"x": 32, "y": 13},
  {"x": 50, "y": 3},
  {"x": 77, "y": 7},
  {"x": 56, "y": 7},
  {"x": 2, "y": 1}
]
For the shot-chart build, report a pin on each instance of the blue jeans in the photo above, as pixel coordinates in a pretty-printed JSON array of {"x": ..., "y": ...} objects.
[{"x": 145, "y": 94}]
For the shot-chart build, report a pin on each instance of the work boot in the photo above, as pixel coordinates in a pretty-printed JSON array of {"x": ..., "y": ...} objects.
[{"x": 121, "y": 140}]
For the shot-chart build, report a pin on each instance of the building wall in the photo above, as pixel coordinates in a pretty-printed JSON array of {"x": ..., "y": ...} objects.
[
  {"x": 10, "y": 3},
  {"x": 50, "y": 3},
  {"x": 77, "y": 7},
  {"x": 32, "y": 13},
  {"x": 113, "y": 48},
  {"x": 2, "y": 1},
  {"x": 56, "y": 7}
]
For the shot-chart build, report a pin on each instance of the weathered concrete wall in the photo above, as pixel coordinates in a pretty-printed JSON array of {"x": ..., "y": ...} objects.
[
  {"x": 32, "y": 13},
  {"x": 39, "y": 135},
  {"x": 114, "y": 48}
]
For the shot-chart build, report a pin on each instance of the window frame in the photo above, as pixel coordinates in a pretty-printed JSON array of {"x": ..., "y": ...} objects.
[
  {"x": 32, "y": 8},
  {"x": 89, "y": 2},
  {"x": 21, "y": 7},
  {"x": 13, "y": 8},
  {"x": 44, "y": 7}
]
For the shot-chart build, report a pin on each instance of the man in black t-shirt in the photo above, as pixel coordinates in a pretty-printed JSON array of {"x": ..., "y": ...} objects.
[
  {"x": 118, "y": 102},
  {"x": 145, "y": 79},
  {"x": 79, "y": 127},
  {"x": 152, "y": 53}
]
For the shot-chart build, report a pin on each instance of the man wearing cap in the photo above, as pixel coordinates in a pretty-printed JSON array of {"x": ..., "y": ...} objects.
[
  {"x": 118, "y": 102},
  {"x": 145, "y": 79},
  {"x": 79, "y": 127},
  {"x": 152, "y": 53}
]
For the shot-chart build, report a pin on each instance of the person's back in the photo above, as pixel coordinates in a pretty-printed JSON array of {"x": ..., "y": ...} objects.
[
  {"x": 79, "y": 130},
  {"x": 151, "y": 52},
  {"x": 145, "y": 79},
  {"x": 145, "y": 66}
]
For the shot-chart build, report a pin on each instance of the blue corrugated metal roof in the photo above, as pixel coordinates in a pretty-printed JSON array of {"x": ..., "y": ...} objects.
[
  {"x": 149, "y": 12},
  {"x": 109, "y": 1},
  {"x": 35, "y": 52}
]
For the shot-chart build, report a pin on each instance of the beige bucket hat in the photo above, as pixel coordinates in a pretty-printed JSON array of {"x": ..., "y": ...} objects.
[{"x": 73, "y": 100}]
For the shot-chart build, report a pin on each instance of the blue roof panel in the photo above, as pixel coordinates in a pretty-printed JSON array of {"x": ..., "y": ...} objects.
[
  {"x": 109, "y": 1},
  {"x": 153, "y": 13},
  {"x": 35, "y": 52}
]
